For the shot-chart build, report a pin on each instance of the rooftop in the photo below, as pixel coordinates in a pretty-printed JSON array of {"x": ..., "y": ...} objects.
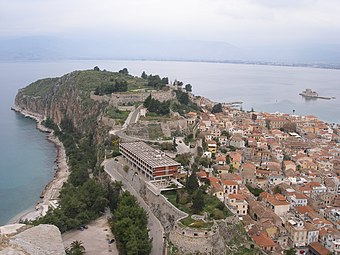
[{"x": 151, "y": 156}]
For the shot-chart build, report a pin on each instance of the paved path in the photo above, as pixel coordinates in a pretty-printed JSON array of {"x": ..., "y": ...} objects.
[{"x": 115, "y": 170}]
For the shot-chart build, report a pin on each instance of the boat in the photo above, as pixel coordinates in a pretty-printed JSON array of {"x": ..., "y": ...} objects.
[{"x": 310, "y": 94}]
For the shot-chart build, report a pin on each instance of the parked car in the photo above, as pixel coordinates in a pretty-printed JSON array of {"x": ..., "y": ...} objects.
[{"x": 82, "y": 227}]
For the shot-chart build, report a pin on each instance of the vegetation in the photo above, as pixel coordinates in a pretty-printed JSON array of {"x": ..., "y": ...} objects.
[
  {"x": 182, "y": 97},
  {"x": 83, "y": 199},
  {"x": 190, "y": 222},
  {"x": 155, "y": 106},
  {"x": 115, "y": 113},
  {"x": 217, "y": 108},
  {"x": 76, "y": 248},
  {"x": 41, "y": 87},
  {"x": 126, "y": 168},
  {"x": 183, "y": 159},
  {"x": 192, "y": 183},
  {"x": 211, "y": 205},
  {"x": 255, "y": 191},
  {"x": 111, "y": 145},
  {"x": 185, "y": 105},
  {"x": 198, "y": 202},
  {"x": 49, "y": 124},
  {"x": 188, "y": 87},
  {"x": 124, "y": 71},
  {"x": 155, "y": 81},
  {"x": 291, "y": 251},
  {"x": 130, "y": 227},
  {"x": 111, "y": 87}
]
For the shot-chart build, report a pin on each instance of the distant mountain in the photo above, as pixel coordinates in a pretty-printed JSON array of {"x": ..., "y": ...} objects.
[{"x": 49, "y": 48}]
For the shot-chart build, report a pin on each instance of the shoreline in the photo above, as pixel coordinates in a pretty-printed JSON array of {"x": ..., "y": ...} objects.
[{"x": 49, "y": 194}]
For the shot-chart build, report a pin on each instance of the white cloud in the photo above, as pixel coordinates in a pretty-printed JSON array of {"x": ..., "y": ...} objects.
[{"x": 235, "y": 21}]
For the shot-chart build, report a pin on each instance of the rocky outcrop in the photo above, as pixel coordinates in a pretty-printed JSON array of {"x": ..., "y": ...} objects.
[
  {"x": 59, "y": 99},
  {"x": 20, "y": 239}
]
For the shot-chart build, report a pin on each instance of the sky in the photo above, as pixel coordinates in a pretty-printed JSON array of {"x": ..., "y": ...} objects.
[{"x": 250, "y": 25}]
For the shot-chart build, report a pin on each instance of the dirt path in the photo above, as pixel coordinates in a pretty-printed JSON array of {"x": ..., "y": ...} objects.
[{"x": 95, "y": 238}]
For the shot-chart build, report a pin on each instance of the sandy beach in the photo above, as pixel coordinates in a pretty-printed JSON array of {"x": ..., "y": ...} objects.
[{"x": 51, "y": 191}]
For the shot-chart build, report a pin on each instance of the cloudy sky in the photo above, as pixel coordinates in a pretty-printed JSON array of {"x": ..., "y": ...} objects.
[{"x": 242, "y": 24}]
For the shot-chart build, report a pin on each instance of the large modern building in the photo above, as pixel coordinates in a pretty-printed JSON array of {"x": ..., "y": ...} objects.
[{"x": 154, "y": 164}]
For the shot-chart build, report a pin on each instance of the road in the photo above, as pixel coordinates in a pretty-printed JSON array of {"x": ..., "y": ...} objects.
[
  {"x": 181, "y": 147},
  {"x": 131, "y": 119},
  {"x": 115, "y": 170}
]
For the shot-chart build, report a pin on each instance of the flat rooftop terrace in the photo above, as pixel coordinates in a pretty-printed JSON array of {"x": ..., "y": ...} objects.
[{"x": 152, "y": 157}]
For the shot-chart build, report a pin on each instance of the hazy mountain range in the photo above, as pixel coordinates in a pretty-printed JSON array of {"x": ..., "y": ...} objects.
[{"x": 55, "y": 48}]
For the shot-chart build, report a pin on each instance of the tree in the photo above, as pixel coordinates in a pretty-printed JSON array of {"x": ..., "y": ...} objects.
[
  {"x": 156, "y": 106},
  {"x": 182, "y": 97},
  {"x": 198, "y": 202},
  {"x": 217, "y": 108},
  {"x": 165, "y": 80},
  {"x": 130, "y": 226},
  {"x": 147, "y": 101},
  {"x": 291, "y": 251},
  {"x": 192, "y": 183},
  {"x": 76, "y": 248},
  {"x": 126, "y": 168},
  {"x": 255, "y": 191},
  {"x": 277, "y": 190},
  {"x": 188, "y": 87},
  {"x": 96, "y": 68},
  {"x": 227, "y": 159},
  {"x": 124, "y": 71},
  {"x": 184, "y": 158},
  {"x": 144, "y": 75}
]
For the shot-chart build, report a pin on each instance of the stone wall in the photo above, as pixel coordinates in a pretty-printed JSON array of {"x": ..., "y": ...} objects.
[
  {"x": 192, "y": 240},
  {"x": 166, "y": 213},
  {"x": 187, "y": 240},
  {"x": 126, "y": 98},
  {"x": 100, "y": 99}
]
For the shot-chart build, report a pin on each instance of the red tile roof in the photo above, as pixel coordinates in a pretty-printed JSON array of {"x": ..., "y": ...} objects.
[
  {"x": 263, "y": 240},
  {"x": 319, "y": 248}
]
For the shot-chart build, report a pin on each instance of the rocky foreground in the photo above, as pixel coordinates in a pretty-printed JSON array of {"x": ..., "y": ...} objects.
[{"x": 21, "y": 239}]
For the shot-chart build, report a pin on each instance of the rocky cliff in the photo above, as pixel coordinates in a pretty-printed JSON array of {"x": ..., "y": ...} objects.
[{"x": 65, "y": 98}]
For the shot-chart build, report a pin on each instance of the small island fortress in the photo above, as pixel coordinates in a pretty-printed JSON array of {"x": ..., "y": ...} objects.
[{"x": 308, "y": 93}]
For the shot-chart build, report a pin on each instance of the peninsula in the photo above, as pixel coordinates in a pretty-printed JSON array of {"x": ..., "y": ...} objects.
[{"x": 209, "y": 178}]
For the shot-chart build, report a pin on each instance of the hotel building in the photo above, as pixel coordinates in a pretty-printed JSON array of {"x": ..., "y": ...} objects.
[{"x": 154, "y": 164}]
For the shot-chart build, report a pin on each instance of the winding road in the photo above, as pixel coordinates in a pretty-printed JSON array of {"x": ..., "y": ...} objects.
[
  {"x": 131, "y": 182},
  {"x": 156, "y": 232}
]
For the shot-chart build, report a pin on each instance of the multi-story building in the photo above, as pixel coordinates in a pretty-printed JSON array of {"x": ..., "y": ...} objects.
[
  {"x": 154, "y": 164},
  {"x": 297, "y": 199},
  {"x": 212, "y": 146},
  {"x": 330, "y": 238},
  {"x": 297, "y": 233},
  {"x": 230, "y": 187},
  {"x": 238, "y": 204},
  {"x": 276, "y": 202}
]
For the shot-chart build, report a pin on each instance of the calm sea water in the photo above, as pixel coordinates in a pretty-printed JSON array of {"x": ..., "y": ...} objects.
[{"x": 27, "y": 158}]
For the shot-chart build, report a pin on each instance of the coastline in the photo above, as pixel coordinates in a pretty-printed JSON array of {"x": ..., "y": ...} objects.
[{"x": 51, "y": 191}]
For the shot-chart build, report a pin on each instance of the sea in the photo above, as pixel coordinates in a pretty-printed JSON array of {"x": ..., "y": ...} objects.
[{"x": 27, "y": 158}]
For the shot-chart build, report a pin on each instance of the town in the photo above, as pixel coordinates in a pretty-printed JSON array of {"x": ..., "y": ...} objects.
[{"x": 278, "y": 173}]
